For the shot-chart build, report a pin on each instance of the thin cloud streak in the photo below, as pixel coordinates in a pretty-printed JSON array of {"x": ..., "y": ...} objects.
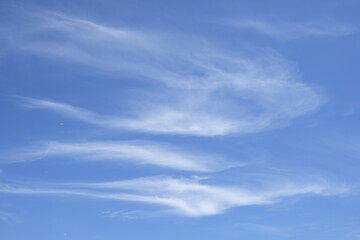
[
  {"x": 201, "y": 90},
  {"x": 166, "y": 121},
  {"x": 136, "y": 152},
  {"x": 284, "y": 30},
  {"x": 182, "y": 196},
  {"x": 8, "y": 217},
  {"x": 130, "y": 214},
  {"x": 205, "y": 119}
]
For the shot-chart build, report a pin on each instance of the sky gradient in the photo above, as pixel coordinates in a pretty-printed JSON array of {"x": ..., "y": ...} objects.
[{"x": 179, "y": 120}]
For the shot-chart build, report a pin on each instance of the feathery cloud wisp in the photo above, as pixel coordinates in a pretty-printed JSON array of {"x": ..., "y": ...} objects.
[
  {"x": 267, "y": 107},
  {"x": 284, "y": 30},
  {"x": 183, "y": 196},
  {"x": 138, "y": 152}
]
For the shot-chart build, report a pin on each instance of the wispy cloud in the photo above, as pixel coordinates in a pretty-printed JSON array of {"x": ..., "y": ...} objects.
[
  {"x": 197, "y": 89},
  {"x": 8, "y": 217},
  {"x": 137, "y": 152},
  {"x": 270, "y": 106},
  {"x": 262, "y": 228},
  {"x": 130, "y": 214},
  {"x": 200, "y": 89},
  {"x": 285, "y": 30},
  {"x": 184, "y": 196},
  {"x": 156, "y": 120}
]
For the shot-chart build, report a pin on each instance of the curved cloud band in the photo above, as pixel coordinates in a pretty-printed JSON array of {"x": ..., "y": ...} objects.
[
  {"x": 136, "y": 152},
  {"x": 200, "y": 89},
  {"x": 182, "y": 196}
]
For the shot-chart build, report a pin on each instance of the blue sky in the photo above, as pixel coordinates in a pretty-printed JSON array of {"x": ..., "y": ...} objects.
[{"x": 179, "y": 120}]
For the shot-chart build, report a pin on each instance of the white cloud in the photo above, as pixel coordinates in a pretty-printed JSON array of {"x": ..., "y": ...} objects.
[
  {"x": 201, "y": 90},
  {"x": 184, "y": 196},
  {"x": 161, "y": 121},
  {"x": 253, "y": 107},
  {"x": 285, "y": 30},
  {"x": 138, "y": 152}
]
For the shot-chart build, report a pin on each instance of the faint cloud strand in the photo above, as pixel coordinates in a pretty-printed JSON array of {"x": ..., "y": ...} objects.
[
  {"x": 285, "y": 30},
  {"x": 8, "y": 217},
  {"x": 137, "y": 152},
  {"x": 130, "y": 214}
]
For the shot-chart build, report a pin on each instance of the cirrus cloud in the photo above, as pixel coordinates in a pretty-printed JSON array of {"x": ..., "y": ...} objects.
[
  {"x": 184, "y": 196},
  {"x": 200, "y": 89}
]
